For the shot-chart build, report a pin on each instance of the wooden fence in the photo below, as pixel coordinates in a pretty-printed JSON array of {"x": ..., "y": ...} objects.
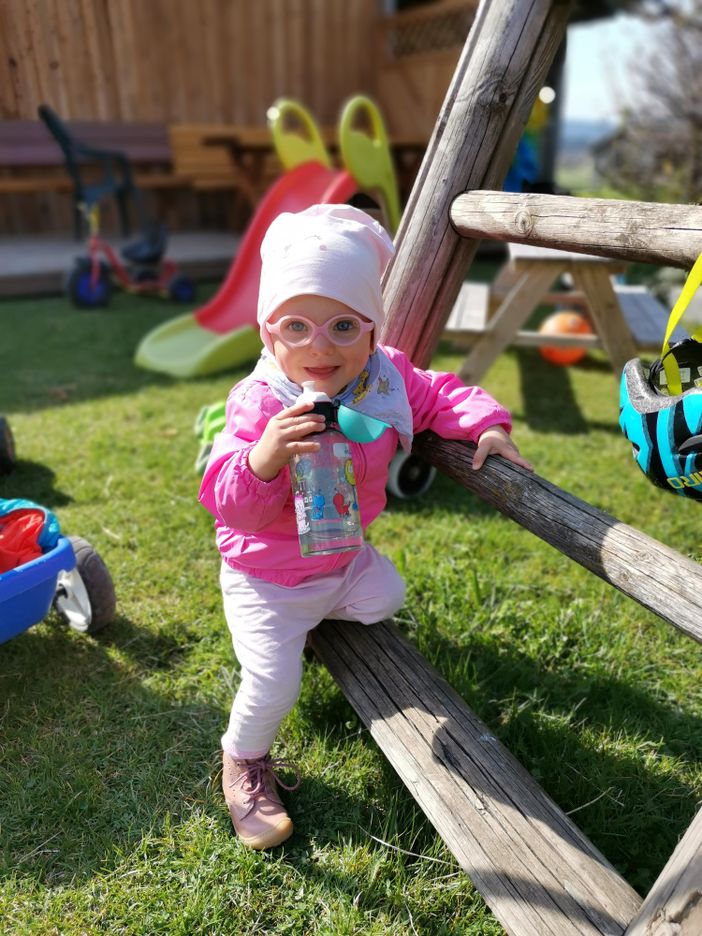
[
  {"x": 174, "y": 61},
  {"x": 225, "y": 61},
  {"x": 217, "y": 62}
]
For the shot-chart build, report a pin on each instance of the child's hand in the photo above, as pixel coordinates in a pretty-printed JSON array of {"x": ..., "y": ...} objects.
[
  {"x": 284, "y": 437},
  {"x": 495, "y": 441}
]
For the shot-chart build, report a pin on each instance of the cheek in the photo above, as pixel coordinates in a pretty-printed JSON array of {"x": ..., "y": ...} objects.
[
  {"x": 283, "y": 355},
  {"x": 362, "y": 351}
]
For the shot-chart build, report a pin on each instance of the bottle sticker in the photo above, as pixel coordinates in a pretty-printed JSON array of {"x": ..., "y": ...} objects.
[
  {"x": 348, "y": 472},
  {"x": 341, "y": 450},
  {"x": 301, "y": 514},
  {"x": 318, "y": 502}
]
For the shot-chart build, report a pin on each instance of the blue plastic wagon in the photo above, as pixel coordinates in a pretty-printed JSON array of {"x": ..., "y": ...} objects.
[{"x": 72, "y": 577}]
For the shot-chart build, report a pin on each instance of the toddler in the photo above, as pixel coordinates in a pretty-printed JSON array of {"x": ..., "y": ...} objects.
[{"x": 320, "y": 310}]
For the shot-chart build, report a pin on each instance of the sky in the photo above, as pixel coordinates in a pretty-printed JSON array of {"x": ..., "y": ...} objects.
[{"x": 597, "y": 68}]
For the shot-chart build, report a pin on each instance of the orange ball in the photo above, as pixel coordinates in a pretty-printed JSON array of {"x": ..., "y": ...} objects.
[{"x": 564, "y": 323}]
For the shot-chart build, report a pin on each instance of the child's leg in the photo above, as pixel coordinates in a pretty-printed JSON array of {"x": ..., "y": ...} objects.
[
  {"x": 268, "y": 633},
  {"x": 373, "y": 589}
]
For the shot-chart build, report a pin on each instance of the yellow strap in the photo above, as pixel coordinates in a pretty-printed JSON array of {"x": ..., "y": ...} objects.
[{"x": 672, "y": 371}]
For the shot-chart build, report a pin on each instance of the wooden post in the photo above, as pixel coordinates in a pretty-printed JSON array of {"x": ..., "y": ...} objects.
[
  {"x": 536, "y": 870},
  {"x": 642, "y": 232},
  {"x": 651, "y": 573},
  {"x": 673, "y": 906},
  {"x": 507, "y": 55}
]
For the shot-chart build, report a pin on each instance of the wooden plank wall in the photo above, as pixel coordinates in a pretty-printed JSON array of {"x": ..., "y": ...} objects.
[
  {"x": 416, "y": 55},
  {"x": 179, "y": 61},
  {"x": 217, "y": 61}
]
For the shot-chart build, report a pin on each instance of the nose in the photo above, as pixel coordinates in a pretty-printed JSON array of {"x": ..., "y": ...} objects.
[{"x": 322, "y": 343}]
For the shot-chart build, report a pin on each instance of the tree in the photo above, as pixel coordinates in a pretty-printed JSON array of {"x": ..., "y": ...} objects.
[{"x": 657, "y": 152}]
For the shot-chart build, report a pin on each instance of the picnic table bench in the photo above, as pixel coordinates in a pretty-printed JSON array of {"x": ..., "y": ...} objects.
[
  {"x": 488, "y": 317},
  {"x": 32, "y": 161}
]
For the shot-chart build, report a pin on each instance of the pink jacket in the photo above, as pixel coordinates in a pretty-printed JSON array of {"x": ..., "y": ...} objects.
[{"x": 255, "y": 520}]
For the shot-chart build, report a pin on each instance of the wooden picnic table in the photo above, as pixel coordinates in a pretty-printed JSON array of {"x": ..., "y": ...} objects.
[
  {"x": 623, "y": 318},
  {"x": 251, "y": 149}
]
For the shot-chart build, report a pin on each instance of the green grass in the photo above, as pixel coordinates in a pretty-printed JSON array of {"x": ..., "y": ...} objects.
[{"x": 111, "y": 818}]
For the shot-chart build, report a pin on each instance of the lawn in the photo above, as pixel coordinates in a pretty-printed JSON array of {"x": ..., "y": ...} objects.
[{"x": 111, "y": 816}]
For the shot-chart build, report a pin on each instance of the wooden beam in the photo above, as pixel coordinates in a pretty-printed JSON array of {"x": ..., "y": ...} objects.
[
  {"x": 674, "y": 903},
  {"x": 506, "y": 57},
  {"x": 645, "y": 232},
  {"x": 536, "y": 870},
  {"x": 659, "y": 578}
]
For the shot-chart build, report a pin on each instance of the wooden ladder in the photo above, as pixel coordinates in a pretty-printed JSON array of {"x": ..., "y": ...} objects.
[{"x": 535, "y": 869}]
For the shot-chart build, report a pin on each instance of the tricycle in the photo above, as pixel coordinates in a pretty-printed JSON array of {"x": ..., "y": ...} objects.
[{"x": 142, "y": 269}]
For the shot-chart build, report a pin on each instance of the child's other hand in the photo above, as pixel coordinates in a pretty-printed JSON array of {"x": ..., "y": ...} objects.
[
  {"x": 283, "y": 437},
  {"x": 496, "y": 441}
]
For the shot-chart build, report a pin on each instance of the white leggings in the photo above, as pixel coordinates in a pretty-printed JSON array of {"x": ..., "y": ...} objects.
[{"x": 269, "y": 624}]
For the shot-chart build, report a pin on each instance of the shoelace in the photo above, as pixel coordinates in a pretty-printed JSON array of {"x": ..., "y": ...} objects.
[{"x": 255, "y": 771}]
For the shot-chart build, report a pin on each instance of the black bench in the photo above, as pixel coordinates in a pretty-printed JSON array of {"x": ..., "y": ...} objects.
[{"x": 31, "y": 160}]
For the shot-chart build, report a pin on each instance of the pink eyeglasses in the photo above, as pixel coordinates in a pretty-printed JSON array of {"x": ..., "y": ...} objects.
[{"x": 342, "y": 330}]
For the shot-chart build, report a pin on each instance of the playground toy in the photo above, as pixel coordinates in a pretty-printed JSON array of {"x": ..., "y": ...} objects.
[
  {"x": 565, "y": 322},
  {"x": 296, "y": 136},
  {"x": 536, "y": 870},
  {"x": 223, "y": 334},
  {"x": 70, "y": 575},
  {"x": 89, "y": 284},
  {"x": 208, "y": 422},
  {"x": 116, "y": 181},
  {"x": 7, "y": 447},
  {"x": 365, "y": 151}
]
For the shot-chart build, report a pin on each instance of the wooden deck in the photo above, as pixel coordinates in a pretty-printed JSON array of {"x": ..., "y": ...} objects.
[{"x": 37, "y": 265}]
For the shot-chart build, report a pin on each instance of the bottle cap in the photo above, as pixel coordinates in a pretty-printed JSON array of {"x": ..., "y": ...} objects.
[
  {"x": 323, "y": 406},
  {"x": 310, "y": 395}
]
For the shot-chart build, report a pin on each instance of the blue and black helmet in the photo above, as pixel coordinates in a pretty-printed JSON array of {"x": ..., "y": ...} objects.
[{"x": 666, "y": 431}]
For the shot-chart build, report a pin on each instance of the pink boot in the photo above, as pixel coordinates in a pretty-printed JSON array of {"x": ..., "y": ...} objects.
[{"x": 250, "y": 789}]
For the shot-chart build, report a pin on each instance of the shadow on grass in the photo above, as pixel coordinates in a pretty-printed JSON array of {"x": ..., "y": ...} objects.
[
  {"x": 33, "y": 481},
  {"x": 95, "y": 768},
  {"x": 58, "y": 354},
  {"x": 604, "y": 765},
  {"x": 550, "y": 404},
  {"x": 549, "y": 401},
  {"x": 443, "y": 495},
  {"x": 98, "y": 771}
]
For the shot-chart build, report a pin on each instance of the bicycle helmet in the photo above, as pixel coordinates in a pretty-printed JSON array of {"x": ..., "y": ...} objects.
[
  {"x": 665, "y": 431},
  {"x": 660, "y": 411}
]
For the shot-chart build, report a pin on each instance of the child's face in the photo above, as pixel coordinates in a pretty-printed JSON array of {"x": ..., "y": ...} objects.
[{"x": 329, "y": 365}]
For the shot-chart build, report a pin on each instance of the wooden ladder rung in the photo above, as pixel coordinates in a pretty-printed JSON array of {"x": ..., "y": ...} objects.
[{"x": 534, "y": 867}]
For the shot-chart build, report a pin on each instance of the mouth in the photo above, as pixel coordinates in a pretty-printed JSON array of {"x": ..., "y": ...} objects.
[{"x": 321, "y": 372}]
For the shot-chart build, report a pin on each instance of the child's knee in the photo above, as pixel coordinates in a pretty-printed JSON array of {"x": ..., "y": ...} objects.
[
  {"x": 394, "y": 597},
  {"x": 383, "y": 603}
]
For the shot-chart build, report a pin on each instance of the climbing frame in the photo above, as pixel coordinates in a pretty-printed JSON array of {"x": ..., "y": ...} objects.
[{"x": 536, "y": 870}]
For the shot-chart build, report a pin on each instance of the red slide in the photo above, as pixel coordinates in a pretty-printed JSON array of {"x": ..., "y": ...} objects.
[
  {"x": 223, "y": 334},
  {"x": 308, "y": 184}
]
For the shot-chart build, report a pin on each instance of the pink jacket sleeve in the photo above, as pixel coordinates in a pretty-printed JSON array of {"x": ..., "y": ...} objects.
[
  {"x": 442, "y": 403},
  {"x": 230, "y": 490}
]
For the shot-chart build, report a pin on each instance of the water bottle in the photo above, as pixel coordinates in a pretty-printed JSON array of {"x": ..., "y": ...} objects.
[{"x": 324, "y": 488}]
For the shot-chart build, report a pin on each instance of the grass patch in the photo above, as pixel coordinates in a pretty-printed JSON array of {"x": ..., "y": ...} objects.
[{"x": 111, "y": 819}]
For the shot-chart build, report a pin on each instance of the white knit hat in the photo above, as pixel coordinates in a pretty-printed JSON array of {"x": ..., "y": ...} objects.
[{"x": 335, "y": 251}]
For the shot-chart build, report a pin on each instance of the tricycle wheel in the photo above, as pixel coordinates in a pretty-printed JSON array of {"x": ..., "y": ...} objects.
[
  {"x": 409, "y": 476},
  {"x": 85, "y": 596},
  {"x": 81, "y": 290},
  {"x": 7, "y": 447},
  {"x": 181, "y": 288}
]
